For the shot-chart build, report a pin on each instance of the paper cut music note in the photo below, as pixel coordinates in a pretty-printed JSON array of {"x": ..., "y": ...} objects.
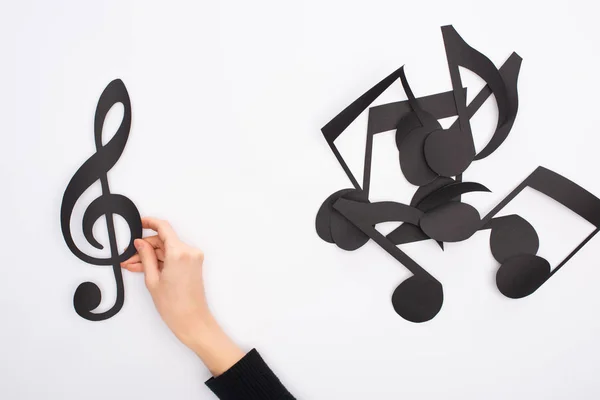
[
  {"x": 88, "y": 296},
  {"x": 380, "y": 118},
  {"x": 434, "y": 159},
  {"x": 420, "y": 297},
  {"x": 514, "y": 242}
]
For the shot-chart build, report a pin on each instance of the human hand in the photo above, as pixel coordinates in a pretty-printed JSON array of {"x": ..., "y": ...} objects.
[{"x": 173, "y": 276}]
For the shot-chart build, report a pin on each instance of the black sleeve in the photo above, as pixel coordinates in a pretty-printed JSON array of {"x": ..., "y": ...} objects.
[{"x": 249, "y": 379}]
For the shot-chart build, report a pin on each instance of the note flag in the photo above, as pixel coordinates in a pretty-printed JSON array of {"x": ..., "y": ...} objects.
[{"x": 87, "y": 295}]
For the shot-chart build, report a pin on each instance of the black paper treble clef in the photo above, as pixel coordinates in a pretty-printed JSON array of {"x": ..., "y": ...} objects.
[{"x": 87, "y": 296}]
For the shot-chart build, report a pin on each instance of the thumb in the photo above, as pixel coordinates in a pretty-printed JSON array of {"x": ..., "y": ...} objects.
[{"x": 149, "y": 262}]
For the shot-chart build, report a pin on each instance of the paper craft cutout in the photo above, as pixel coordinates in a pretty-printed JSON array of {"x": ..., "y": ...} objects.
[
  {"x": 88, "y": 296},
  {"x": 420, "y": 297},
  {"x": 425, "y": 190},
  {"x": 448, "y": 192},
  {"x": 435, "y": 159},
  {"x": 522, "y": 272},
  {"x": 512, "y": 235},
  {"x": 450, "y": 222}
]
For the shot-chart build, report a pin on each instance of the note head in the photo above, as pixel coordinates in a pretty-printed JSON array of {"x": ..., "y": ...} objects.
[
  {"x": 323, "y": 220},
  {"x": 512, "y": 235},
  {"x": 521, "y": 275},
  {"x": 449, "y": 152},
  {"x": 333, "y": 227},
  {"x": 418, "y": 299},
  {"x": 451, "y": 222}
]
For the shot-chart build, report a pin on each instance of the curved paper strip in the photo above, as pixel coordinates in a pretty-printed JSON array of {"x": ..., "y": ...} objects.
[
  {"x": 449, "y": 192},
  {"x": 451, "y": 222},
  {"x": 109, "y": 204},
  {"x": 424, "y": 117},
  {"x": 425, "y": 190},
  {"x": 370, "y": 214},
  {"x": 459, "y": 53},
  {"x": 510, "y": 74}
]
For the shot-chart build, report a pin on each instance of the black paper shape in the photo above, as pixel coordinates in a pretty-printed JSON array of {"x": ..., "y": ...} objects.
[
  {"x": 370, "y": 214},
  {"x": 87, "y": 296},
  {"x": 512, "y": 235},
  {"x": 521, "y": 274},
  {"x": 443, "y": 161},
  {"x": 414, "y": 166},
  {"x": 425, "y": 190},
  {"x": 411, "y": 135},
  {"x": 344, "y": 234},
  {"x": 459, "y": 53},
  {"x": 449, "y": 192},
  {"x": 407, "y": 233},
  {"x": 385, "y": 117},
  {"x": 434, "y": 159},
  {"x": 418, "y": 299},
  {"x": 323, "y": 221},
  {"x": 451, "y": 222},
  {"x": 407, "y": 299},
  {"x": 438, "y": 105},
  {"x": 337, "y": 125}
]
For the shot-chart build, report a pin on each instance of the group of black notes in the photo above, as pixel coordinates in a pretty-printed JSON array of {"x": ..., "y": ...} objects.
[
  {"x": 87, "y": 296},
  {"x": 434, "y": 159}
]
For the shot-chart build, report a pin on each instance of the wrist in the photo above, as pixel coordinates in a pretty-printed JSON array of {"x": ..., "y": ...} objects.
[{"x": 216, "y": 350}]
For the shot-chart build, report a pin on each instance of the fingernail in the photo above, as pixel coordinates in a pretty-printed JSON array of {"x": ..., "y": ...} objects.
[{"x": 138, "y": 244}]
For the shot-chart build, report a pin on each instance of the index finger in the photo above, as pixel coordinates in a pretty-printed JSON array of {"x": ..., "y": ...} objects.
[{"x": 163, "y": 228}]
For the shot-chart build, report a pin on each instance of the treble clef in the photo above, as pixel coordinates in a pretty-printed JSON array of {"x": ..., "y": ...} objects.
[{"x": 87, "y": 295}]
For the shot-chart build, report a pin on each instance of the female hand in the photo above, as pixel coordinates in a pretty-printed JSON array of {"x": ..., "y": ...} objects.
[{"x": 173, "y": 276}]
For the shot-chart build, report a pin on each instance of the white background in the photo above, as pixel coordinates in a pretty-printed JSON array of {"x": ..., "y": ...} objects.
[{"x": 228, "y": 100}]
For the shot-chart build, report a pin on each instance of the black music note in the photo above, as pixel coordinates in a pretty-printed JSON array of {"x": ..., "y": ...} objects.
[
  {"x": 88, "y": 296},
  {"x": 418, "y": 298},
  {"x": 459, "y": 53},
  {"x": 381, "y": 119},
  {"x": 514, "y": 242},
  {"x": 434, "y": 159},
  {"x": 407, "y": 233}
]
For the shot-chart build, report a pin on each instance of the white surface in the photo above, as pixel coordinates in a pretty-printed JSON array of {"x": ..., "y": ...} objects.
[{"x": 228, "y": 98}]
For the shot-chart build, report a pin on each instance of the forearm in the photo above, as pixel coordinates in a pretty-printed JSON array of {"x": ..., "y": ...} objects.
[
  {"x": 173, "y": 276},
  {"x": 235, "y": 375},
  {"x": 216, "y": 350}
]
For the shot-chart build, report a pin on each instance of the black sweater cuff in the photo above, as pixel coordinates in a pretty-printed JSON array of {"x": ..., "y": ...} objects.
[{"x": 249, "y": 379}]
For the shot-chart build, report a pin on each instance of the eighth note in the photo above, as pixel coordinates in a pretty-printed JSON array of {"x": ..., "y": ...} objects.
[{"x": 87, "y": 296}]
